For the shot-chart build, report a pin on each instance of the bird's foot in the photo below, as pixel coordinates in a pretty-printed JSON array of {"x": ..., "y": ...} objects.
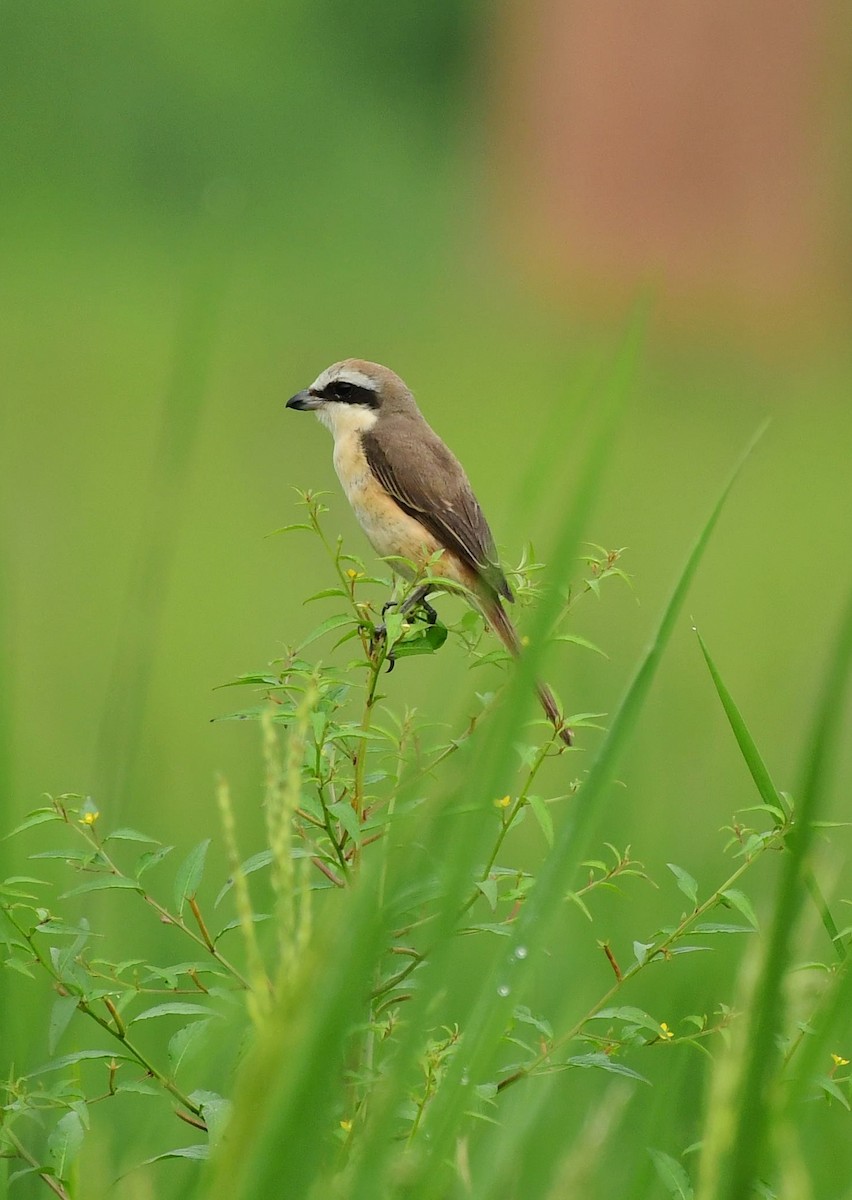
[{"x": 431, "y": 614}]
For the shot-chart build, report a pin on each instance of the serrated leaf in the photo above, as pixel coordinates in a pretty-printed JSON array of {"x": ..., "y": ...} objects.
[
  {"x": 541, "y": 812},
  {"x": 215, "y": 1110},
  {"x": 39, "y": 816},
  {"x": 186, "y": 1042},
  {"x": 709, "y": 927},
  {"x": 580, "y": 641},
  {"x": 640, "y": 949},
  {"x": 70, "y": 1060},
  {"x": 602, "y": 1062},
  {"x": 290, "y": 529},
  {"x": 200, "y": 1152},
  {"x": 254, "y": 863},
  {"x": 189, "y": 874},
  {"x": 325, "y": 593},
  {"x": 172, "y": 1008},
  {"x": 741, "y": 902},
  {"x": 61, "y": 1012},
  {"x": 523, "y": 1014},
  {"x": 685, "y": 882},
  {"x": 103, "y": 884},
  {"x": 345, "y": 814},
  {"x": 130, "y": 835},
  {"x": 425, "y": 640},
  {"x": 70, "y": 855},
  {"x": 150, "y": 859},
  {"x": 831, "y": 1088},
  {"x": 237, "y": 922},
  {"x": 672, "y": 1175},
  {"x": 253, "y": 678},
  {"x": 630, "y": 1015},
  {"x": 138, "y": 1087},
  {"x": 488, "y": 887},
  {"x": 335, "y": 622},
  {"x": 64, "y": 1143}
]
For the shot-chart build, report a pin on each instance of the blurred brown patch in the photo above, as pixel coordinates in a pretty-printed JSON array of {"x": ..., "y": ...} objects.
[{"x": 677, "y": 145}]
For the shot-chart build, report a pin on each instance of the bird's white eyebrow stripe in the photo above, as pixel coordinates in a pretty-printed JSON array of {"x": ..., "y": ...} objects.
[{"x": 346, "y": 375}]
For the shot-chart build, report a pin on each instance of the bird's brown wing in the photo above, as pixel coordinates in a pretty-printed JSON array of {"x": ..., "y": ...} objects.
[{"x": 428, "y": 482}]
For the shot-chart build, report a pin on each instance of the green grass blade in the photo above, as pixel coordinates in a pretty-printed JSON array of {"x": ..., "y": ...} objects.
[
  {"x": 278, "y": 1140},
  {"x": 492, "y": 1010},
  {"x": 763, "y": 1056},
  {"x": 767, "y": 789},
  {"x": 487, "y": 766},
  {"x": 748, "y": 747}
]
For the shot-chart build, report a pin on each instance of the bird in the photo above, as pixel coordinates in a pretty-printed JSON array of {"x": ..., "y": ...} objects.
[{"x": 411, "y": 495}]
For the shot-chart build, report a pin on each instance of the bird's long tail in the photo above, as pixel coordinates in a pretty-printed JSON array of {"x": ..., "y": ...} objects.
[{"x": 508, "y": 635}]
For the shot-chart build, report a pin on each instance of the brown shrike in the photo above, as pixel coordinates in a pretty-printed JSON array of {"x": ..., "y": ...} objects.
[{"x": 410, "y": 493}]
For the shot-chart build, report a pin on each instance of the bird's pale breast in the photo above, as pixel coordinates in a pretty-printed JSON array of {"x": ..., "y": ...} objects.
[{"x": 390, "y": 530}]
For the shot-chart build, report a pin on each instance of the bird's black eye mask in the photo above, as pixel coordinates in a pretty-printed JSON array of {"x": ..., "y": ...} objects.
[{"x": 346, "y": 392}]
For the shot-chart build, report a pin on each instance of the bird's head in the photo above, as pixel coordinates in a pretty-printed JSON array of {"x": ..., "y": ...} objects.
[{"x": 352, "y": 394}]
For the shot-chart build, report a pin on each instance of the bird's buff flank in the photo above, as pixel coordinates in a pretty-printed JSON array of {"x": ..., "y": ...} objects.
[{"x": 410, "y": 493}]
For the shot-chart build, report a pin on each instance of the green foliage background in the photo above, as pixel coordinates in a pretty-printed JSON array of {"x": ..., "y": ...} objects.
[{"x": 201, "y": 208}]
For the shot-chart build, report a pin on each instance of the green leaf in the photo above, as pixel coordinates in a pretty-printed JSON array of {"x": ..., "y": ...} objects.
[
  {"x": 640, "y": 949},
  {"x": 741, "y": 902},
  {"x": 580, "y": 641},
  {"x": 215, "y": 1110},
  {"x": 199, "y": 1152},
  {"x": 189, "y": 874},
  {"x": 523, "y": 1014},
  {"x": 832, "y": 1088},
  {"x": 425, "y": 640},
  {"x": 631, "y": 1016},
  {"x": 255, "y": 678},
  {"x": 184, "y": 1044},
  {"x": 325, "y": 593},
  {"x": 672, "y": 1175},
  {"x": 290, "y": 529},
  {"x": 130, "y": 835},
  {"x": 173, "y": 1008},
  {"x": 488, "y": 887},
  {"x": 753, "y": 760},
  {"x": 150, "y": 859},
  {"x": 541, "y": 812},
  {"x": 71, "y": 1060},
  {"x": 685, "y": 882},
  {"x": 39, "y": 816},
  {"x": 103, "y": 884},
  {"x": 335, "y": 622},
  {"x": 345, "y": 814},
  {"x": 64, "y": 1143},
  {"x": 62, "y": 1011},
  {"x": 709, "y": 927},
  {"x": 255, "y": 863},
  {"x": 602, "y": 1062},
  {"x": 237, "y": 922}
]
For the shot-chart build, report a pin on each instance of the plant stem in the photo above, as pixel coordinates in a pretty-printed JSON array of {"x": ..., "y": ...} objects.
[
  {"x": 775, "y": 837},
  {"x": 168, "y": 918},
  {"x": 22, "y": 1152},
  {"x": 376, "y": 662},
  {"x": 114, "y": 1028}
]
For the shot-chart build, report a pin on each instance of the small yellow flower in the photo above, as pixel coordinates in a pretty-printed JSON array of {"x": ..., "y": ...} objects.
[
  {"x": 89, "y": 818},
  {"x": 838, "y": 1061},
  {"x": 353, "y": 574},
  {"x": 525, "y": 641},
  {"x": 346, "y": 1126},
  {"x": 666, "y": 1034},
  {"x": 503, "y": 802}
]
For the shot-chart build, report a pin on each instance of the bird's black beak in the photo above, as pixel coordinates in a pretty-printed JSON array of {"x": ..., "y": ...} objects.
[{"x": 303, "y": 401}]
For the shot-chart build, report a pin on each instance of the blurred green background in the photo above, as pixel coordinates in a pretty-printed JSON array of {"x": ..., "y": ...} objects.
[{"x": 203, "y": 206}]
